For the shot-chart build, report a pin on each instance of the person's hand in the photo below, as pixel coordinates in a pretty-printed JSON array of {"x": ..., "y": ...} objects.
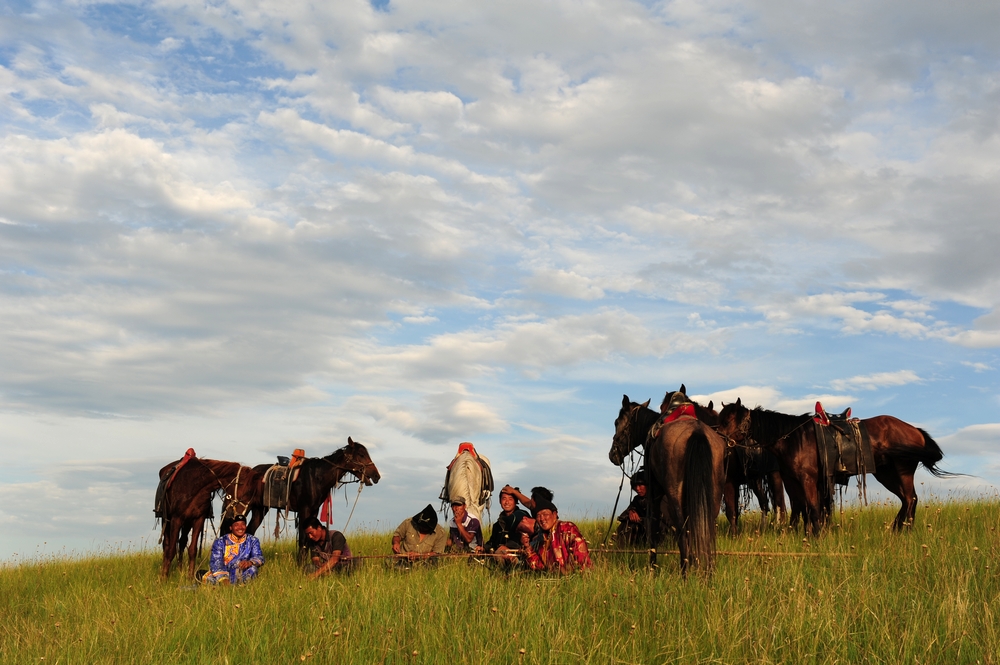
[
  {"x": 396, "y": 547},
  {"x": 525, "y": 540},
  {"x": 243, "y": 565},
  {"x": 633, "y": 516},
  {"x": 412, "y": 556},
  {"x": 503, "y": 549}
]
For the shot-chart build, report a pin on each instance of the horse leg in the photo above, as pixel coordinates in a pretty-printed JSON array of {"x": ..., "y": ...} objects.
[
  {"x": 895, "y": 480},
  {"x": 182, "y": 543},
  {"x": 906, "y": 471},
  {"x": 196, "y": 530},
  {"x": 170, "y": 535},
  {"x": 256, "y": 517},
  {"x": 729, "y": 495},
  {"x": 777, "y": 495}
]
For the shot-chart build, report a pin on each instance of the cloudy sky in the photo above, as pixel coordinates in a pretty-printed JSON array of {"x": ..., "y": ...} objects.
[{"x": 249, "y": 226}]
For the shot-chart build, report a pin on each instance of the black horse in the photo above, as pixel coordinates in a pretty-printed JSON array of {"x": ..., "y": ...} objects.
[{"x": 316, "y": 476}]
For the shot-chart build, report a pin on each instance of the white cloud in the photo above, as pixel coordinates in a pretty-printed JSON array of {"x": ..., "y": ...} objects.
[
  {"x": 875, "y": 381},
  {"x": 981, "y": 439},
  {"x": 425, "y": 222}
]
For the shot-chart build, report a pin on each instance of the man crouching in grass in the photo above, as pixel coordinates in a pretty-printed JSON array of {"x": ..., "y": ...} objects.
[
  {"x": 328, "y": 550},
  {"x": 558, "y": 546}
]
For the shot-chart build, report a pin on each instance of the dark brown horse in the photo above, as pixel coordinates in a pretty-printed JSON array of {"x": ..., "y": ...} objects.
[
  {"x": 755, "y": 469},
  {"x": 685, "y": 474},
  {"x": 897, "y": 448},
  {"x": 187, "y": 503},
  {"x": 316, "y": 477}
]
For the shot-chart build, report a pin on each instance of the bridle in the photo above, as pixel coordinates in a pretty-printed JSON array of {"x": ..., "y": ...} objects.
[
  {"x": 626, "y": 434},
  {"x": 231, "y": 500}
]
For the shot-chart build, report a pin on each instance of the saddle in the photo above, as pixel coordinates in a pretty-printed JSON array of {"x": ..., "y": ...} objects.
[
  {"x": 680, "y": 407},
  {"x": 486, "y": 490},
  {"x": 844, "y": 446},
  {"x": 168, "y": 480},
  {"x": 279, "y": 478}
]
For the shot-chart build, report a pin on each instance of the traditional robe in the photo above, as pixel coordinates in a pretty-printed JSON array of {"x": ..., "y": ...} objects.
[
  {"x": 227, "y": 553},
  {"x": 560, "y": 550}
]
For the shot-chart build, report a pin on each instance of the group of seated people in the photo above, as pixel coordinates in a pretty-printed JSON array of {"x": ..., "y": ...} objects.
[{"x": 536, "y": 539}]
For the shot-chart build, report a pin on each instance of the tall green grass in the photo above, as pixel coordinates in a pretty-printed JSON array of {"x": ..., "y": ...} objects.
[{"x": 927, "y": 596}]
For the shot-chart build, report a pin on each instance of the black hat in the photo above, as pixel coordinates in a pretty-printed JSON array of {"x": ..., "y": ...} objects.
[
  {"x": 425, "y": 521},
  {"x": 638, "y": 478},
  {"x": 544, "y": 504},
  {"x": 240, "y": 518}
]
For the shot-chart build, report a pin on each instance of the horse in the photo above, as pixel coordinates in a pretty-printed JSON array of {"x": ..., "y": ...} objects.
[
  {"x": 756, "y": 469},
  {"x": 186, "y": 502},
  {"x": 897, "y": 448},
  {"x": 685, "y": 472},
  {"x": 469, "y": 477},
  {"x": 316, "y": 477}
]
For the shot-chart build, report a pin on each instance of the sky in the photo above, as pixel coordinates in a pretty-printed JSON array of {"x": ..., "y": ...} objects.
[{"x": 250, "y": 226}]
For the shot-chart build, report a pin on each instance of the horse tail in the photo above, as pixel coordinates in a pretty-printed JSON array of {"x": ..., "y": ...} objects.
[
  {"x": 931, "y": 456},
  {"x": 697, "y": 504}
]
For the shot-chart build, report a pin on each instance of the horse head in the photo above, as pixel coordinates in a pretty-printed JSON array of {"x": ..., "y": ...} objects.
[
  {"x": 628, "y": 434},
  {"x": 734, "y": 421},
  {"x": 357, "y": 461}
]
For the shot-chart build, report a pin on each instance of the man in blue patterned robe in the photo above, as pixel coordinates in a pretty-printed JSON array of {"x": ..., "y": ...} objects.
[{"x": 236, "y": 557}]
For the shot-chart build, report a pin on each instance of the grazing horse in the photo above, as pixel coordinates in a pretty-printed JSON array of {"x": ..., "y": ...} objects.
[
  {"x": 316, "y": 477},
  {"x": 469, "y": 477},
  {"x": 186, "y": 503},
  {"x": 756, "y": 469},
  {"x": 685, "y": 473},
  {"x": 897, "y": 448}
]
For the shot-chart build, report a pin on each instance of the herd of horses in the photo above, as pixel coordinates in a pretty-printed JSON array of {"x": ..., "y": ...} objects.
[{"x": 692, "y": 463}]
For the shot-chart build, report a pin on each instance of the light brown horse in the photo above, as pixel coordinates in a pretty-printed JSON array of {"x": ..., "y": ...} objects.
[
  {"x": 898, "y": 448},
  {"x": 685, "y": 473},
  {"x": 187, "y": 503}
]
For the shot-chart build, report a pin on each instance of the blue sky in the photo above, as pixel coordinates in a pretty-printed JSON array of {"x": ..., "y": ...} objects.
[{"x": 246, "y": 228}]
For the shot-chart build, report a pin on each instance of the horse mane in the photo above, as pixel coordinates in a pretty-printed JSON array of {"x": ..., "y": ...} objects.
[{"x": 767, "y": 426}]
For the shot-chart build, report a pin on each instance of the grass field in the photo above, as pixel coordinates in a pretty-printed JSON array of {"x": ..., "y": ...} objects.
[{"x": 871, "y": 596}]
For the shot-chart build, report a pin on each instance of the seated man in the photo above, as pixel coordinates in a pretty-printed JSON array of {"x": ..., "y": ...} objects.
[
  {"x": 632, "y": 530},
  {"x": 328, "y": 550},
  {"x": 236, "y": 557},
  {"x": 420, "y": 537},
  {"x": 559, "y": 546},
  {"x": 465, "y": 533},
  {"x": 504, "y": 536}
]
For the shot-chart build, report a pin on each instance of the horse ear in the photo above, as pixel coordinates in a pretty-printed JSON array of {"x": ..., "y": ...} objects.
[
  {"x": 625, "y": 400},
  {"x": 646, "y": 404},
  {"x": 738, "y": 402},
  {"x": 711, "y": 405},
  {"x": 683, "y": 390},
  {"x": 350, "y": 442}
]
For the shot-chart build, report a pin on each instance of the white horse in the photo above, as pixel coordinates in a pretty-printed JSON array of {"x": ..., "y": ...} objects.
[{"x": 469, "y": 477}]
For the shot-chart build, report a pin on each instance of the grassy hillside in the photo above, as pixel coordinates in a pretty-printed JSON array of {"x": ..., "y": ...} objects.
[{"x": 928, "y": 596}]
